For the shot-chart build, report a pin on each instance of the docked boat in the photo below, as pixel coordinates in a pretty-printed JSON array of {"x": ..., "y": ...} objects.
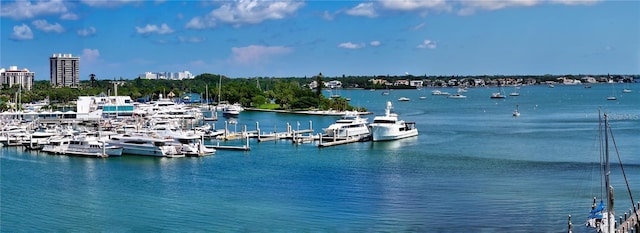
[
  {"x": 82, "y": 145},
  {"x": 438, "y": 92},
  {"x": 389, "y": 127},
  {"x": 602, "y": 216},
  {"x": 349, "y": 125},
  {"x": 146, "y": 145},
  {"x": 232, "y": 110}
]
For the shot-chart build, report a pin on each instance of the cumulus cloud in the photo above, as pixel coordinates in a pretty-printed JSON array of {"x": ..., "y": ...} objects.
[
  {"x": 21, "y": 32},
  {"x": 253, "y": 11},
  {"x": 375, "y": 43},
  {"x": 575, "y": 2},
  {"x": 470, "y": 7},
  {"x": 45, "y": 26},
  {"x": 25, "y": 9},
  {"x": 90, "y": 31},
  {"x": 363, "y": 9},
  {"x": 200, "y": 23},
  {"x": 257, "y": 53},
  {"x": 90, "y": 55},
  {"x": 246, "y": 12},
  {"x": 152, "y": 28},
  {"x": 427, "y": 44},
  {"x": 349, "y": 45}
]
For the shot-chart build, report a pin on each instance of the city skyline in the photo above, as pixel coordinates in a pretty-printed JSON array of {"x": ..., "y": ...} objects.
[{"x": 303, "y": 38}]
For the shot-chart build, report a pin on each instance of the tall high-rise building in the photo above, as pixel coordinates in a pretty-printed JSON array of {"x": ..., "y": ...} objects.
[
  {"x": 65, "y": 70},
  {"x": 14, "y": 77}
]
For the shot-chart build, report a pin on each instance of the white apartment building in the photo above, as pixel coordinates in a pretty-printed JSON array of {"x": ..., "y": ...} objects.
[
  {"x": 64, "y": 70},
  {"x": 11, "y": 77}
]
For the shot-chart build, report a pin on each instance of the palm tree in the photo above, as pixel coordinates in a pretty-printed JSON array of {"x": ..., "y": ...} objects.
[{"x": 92, "y": 78}]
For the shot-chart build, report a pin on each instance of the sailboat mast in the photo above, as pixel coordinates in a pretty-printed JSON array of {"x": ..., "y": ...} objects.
[{"x": 607, "y": 172}]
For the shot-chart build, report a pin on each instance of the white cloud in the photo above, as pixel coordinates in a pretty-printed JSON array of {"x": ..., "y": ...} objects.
[
  {"x": 375, "y": 43},
  {"x": 427, "y": 44},
  {"x": 69, "y": 16},
  {"x": 90, "y": 55},
  {"x": 26, "y": 10},
  {"x": 200, "y": 23},
  {"x": 328, "y": 15},
  {"x": 107, "y": 3},
  {"x": 257, "y": 53},
  {"x": 470, "y": 7},
  {"x": 418, "y": 27},
  {"x": 363, "y": 9},
  {"x": 411, "y": 5},
  {"x": 185, "y": 39},
  {"x": 90, "y": 31},
  {"x": 575, "y": 2},
  {"x": 245, "y": 12},
  {"x": 149, "y": 29},
  {"x": 349, "y": 45},
  {"x": 22, "y": 32},
  {"x": 45, "y": 26}
]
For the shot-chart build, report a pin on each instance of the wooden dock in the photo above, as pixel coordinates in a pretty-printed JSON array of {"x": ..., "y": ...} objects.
[{"x": 631, "y": 224}]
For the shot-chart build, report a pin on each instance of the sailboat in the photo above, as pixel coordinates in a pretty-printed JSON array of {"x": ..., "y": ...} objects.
[
  {"x": 515, "y": 92},
  {"x": 613, "y": 95},
  {"x": 602, "y": 216},
  {"x": 516, "y": 113},
  {"x": 498, "y": 95},
  {"x": 626, "y": 88}
]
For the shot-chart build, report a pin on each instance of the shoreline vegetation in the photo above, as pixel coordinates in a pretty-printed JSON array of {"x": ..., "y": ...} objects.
[{"x": 285, "y": 94}]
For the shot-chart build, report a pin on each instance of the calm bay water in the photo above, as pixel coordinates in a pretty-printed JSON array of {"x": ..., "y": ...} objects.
[{"x": 474, "y": 168}]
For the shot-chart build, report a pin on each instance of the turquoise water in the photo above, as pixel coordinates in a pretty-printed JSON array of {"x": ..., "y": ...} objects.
[{"x": 474, "y": 168}]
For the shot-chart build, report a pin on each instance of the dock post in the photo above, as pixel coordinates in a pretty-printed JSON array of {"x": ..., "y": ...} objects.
[
  {"x": 320, "y": 138},
  {"x": 226, "y": 130},
  {"x": 288, "y": 128},
  {"x": 247, "y": 145},
  {"x": 310, "y": 125}
]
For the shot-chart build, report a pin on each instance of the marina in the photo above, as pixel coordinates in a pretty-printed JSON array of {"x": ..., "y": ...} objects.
[{"x": 471, "y": 155}]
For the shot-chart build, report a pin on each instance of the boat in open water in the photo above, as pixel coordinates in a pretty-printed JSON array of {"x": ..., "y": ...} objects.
[{"x": 389, "y": 127}]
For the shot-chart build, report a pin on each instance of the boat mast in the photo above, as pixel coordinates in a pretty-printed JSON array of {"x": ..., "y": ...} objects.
[{"x": 607, "y": 171}]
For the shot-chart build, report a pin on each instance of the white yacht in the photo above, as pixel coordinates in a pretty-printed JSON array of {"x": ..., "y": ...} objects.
[
  {"x": 82, "y": 145},
  {"x": 141, "y": 144},
  {"x": 349, "y": 125},
  {"x": 189, "y": 143},
  {"x": 389, "y": 127},
  {"x": 232, "y": 110}
]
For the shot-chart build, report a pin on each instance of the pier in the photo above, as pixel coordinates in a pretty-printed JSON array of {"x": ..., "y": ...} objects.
[{"x": 632, "y": 223}]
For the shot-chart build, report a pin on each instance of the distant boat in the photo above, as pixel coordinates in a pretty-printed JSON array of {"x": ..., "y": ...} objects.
[
  {"x": 551, "y": 86},
  {"x": 515, "y": 92},
  {"x": 498, "y": 95},
  {"x": 626, "y": 89},
  {"x": 423, "y": 97},
  {"x": 516, "y": 113},
  {"x": 457, "y": 96},
  {"x": 438, "y": 92},
  {"x": 613, "y": 93},
  {"x": 402, "y": 99}
]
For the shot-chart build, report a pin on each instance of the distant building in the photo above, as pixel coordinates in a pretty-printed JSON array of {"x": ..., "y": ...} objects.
[
  {"x": 333, "y": 84},
  {"x": 167, "y": 75},
  {"x": 416, "y": 83},
  {"x": 401, "y": 82},
  {"x": 24, "y": 78},
  {"x": 64, "y": 70}
]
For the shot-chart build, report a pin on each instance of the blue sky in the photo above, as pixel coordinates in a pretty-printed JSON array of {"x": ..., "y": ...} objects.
[{"x": 251, "y": 38}]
